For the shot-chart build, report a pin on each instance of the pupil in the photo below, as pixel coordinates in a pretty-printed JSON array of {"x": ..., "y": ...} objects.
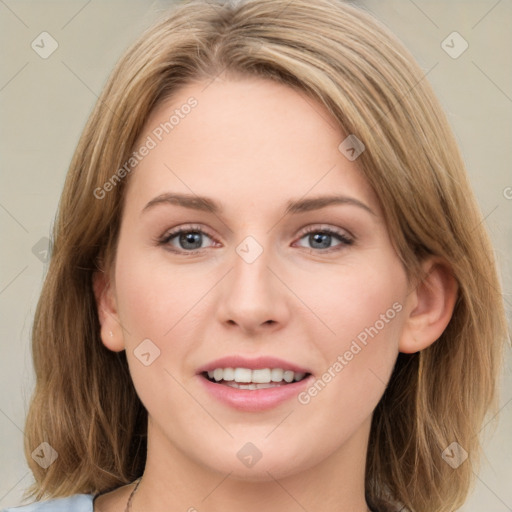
[
  {"x": 190, "y": 238},
  {"x": 317, "y": 237}
]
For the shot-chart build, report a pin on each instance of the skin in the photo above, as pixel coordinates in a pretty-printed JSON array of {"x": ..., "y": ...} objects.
[{"x": 252, "y": 145}]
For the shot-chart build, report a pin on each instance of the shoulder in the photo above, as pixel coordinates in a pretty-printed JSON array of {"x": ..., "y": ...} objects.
[{"x": 75, "y": 503}]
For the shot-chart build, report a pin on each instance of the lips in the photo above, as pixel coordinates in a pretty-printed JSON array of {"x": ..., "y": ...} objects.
[
  {"x": 258, "y": 363},
  {"x": 256, "y": 384},
  {"x": 253, "y": 397}
]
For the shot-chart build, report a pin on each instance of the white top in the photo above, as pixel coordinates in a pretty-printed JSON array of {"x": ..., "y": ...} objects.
[{"x": 75, "y": 503}]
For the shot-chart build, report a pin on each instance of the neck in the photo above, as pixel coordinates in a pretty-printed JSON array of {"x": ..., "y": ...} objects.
[{"x": 174, "y": 481}]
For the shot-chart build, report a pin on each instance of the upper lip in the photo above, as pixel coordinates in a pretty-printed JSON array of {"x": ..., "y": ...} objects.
[{"x": 237, "y": 361}]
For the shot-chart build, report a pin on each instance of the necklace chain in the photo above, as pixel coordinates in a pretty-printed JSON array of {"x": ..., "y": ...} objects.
[{"x": 132, "y": 494}]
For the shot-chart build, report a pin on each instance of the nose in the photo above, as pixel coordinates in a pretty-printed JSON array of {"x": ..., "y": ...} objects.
[{"x": 253, "y": 297}]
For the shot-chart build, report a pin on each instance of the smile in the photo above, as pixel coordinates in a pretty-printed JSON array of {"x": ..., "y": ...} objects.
[
  {"x": 245, "y": 378},
  {"x": 257, "y": 390}
]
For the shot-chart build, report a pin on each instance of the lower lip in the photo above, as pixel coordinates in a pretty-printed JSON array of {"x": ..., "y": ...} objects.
[{"x": 255, "y": 399}]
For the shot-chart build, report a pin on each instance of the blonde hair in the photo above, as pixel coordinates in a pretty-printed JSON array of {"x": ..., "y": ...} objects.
[{"x": 84, "y": 404}]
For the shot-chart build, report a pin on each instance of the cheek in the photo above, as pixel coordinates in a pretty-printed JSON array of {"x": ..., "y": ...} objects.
[
  {"x": 365, "y": 312},
  {"x": 152, "y": 300},
  {"x": 150, "y": 306},
  {"x": 363, "y": 302}
]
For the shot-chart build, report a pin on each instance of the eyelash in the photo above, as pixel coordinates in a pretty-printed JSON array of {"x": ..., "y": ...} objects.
[{"x": 342, "y": 237}]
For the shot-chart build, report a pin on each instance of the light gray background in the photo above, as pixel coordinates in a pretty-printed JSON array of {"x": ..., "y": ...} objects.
[{"x": 44, "y": 104}]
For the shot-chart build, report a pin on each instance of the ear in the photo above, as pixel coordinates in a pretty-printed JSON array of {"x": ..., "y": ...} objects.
[
  {"x": 111, "y": 330},
  {"x": 429, "y": 306}
]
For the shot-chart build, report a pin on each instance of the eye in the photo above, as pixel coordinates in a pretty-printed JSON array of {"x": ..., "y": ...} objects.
[
  {"x": 321, "y": 239},
  {"x": 185, "y": 239},
  {"x": 189, "y": 240}
]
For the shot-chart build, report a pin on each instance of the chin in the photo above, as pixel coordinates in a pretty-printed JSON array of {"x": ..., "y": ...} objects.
[{"x": 247, "y": 463}]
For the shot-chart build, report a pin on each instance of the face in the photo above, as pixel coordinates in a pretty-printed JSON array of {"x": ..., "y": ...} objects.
[{"x": 267, "y": 277}]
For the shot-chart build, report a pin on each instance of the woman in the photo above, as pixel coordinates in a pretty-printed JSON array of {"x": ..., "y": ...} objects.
[{"x": 270, "y": 286}]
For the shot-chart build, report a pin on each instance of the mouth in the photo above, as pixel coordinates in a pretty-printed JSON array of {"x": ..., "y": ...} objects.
[
  {"x": 253, "y": 384},
  {"x": 247, "y": 379}
]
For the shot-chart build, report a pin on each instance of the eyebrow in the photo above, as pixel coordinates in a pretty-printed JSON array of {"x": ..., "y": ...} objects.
[{"x": 207, "y": 204}]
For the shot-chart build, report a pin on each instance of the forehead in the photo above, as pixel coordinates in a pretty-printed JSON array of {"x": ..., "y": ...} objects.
[{"x": 246, "y": 138}]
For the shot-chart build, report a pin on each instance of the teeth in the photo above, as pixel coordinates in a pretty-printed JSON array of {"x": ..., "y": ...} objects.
[
  {"x": 252, "y": 386},
  {"x": 242, "y": 375},
  {"x": 277, "y": 374},
  {"x": 229, "y": 374},
  {"x": 288, "y": 376},
  {"x": 259, "y": 376}
]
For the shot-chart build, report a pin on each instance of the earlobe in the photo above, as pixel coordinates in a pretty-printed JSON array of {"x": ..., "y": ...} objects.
[
  {"x": 111, "y": 332},
  {"x": 431, "y": 306}
]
